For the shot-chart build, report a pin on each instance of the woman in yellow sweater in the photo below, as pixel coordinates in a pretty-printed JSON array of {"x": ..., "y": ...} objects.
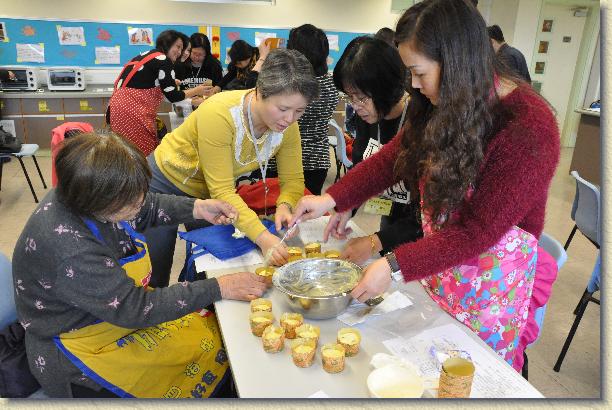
[{"x": 231, "y": 134}]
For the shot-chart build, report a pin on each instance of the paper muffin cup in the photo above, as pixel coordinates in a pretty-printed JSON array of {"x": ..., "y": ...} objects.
[
  {"x": 273, "y": 339},
  {"x": 332, "y": 253},
  {"x": 289, "y": 322},
  {"x": 261, "y": 305},
  {"x": 332, "y": 357},
  {"x": 303, "y": 352},
  {"x": 349, "y": 338},
  {"x": 259, "y": 321},
  {"x": 308, "y": 332},
  {"x": 312, "y": 247},
  {"x": 295, "y": 251},
  {"x": 266, "y": 272}
]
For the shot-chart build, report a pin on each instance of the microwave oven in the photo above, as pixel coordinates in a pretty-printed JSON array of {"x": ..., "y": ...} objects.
[
  {"x": 26, "y": 79},
  {"x": 66, "y": 79}
]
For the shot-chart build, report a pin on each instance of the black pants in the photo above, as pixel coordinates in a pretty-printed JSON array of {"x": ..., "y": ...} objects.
[{"x": 85, "y": 392}]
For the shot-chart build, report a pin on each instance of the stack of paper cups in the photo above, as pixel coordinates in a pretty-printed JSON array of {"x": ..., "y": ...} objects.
[{"x": 456, "y": 378}]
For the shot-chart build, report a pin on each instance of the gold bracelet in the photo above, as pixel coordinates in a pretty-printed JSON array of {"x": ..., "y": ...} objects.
[{"x": 372, "y": 244}]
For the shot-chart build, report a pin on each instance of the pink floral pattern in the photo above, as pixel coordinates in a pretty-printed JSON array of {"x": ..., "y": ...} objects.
[{"x": 491, "y": 292}]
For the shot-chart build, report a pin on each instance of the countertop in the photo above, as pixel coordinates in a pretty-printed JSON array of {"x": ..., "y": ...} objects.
[
  {"x": 586, "y": 111},
  {"x": 93, "y": 91}
]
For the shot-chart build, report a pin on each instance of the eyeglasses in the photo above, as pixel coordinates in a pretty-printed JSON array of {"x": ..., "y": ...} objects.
[{"x": 354, "y": 100}]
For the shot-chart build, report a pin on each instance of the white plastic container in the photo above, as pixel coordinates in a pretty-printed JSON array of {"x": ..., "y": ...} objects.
[{"x": 395, "y": 381}]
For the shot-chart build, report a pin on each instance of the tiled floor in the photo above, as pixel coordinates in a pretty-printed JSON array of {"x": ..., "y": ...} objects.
[{"x": 580, "y": 374}]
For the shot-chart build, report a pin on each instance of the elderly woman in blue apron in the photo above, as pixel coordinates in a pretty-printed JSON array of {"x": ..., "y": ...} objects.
[{"x": 94, "y": 328}]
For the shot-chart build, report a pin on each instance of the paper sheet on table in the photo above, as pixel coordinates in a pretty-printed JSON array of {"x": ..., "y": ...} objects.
[
  {"x": 493, "y": 379},
  {"x": 209, "y": 262},
  {"x": 312, "y": 231},
  {"x": 358, "y": 312}
]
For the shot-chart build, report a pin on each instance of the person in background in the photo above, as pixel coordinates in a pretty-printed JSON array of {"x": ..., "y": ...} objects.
[
  {"x": 81, "y": 274},
  {"x": 378, "y": 94},
  {"x": 314, "y": 124},
  {"x": 512, "y": 57},
  {"x": 140, "y": 88},
  {"x": 233, "y": 133},
  {"x": 204, "y": 69},
  {"x": 6, "y": 75},
  {"x": 480, "y": 147},
  {"x": 181, "y": 65},
  {"x": 387, "y": 35},
  {"x": 242, "y": 71}
]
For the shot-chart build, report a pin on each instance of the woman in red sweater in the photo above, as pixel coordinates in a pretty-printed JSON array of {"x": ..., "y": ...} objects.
[{"x": 481, "y": 148}]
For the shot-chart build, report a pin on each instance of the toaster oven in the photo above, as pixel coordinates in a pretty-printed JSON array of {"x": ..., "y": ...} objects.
[
  {"x": 66, "y": 79},
  {"x": 26, "y": 79}
]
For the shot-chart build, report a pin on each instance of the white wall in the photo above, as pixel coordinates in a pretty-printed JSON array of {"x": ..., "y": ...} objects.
[
  {"x": 504, "y": 14},
  {"x": 527, "y": 18},
  {"x": 341, "y": 15},
  {"x": 561, "y": 58}
]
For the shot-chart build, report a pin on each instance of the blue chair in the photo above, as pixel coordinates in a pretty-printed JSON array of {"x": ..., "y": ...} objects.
[
  {"x": 337, "y": 141},
  {"x": 8, "y": 311},
  {"x": 554, "y": 249},
  {"x": 592, "y": 287},
  {"x": 27, "y": 150},
  {"x": 586, "y": 211}
]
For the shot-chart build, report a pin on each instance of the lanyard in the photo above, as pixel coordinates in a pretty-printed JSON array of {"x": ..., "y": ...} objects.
[
  {"x": 401, "y": 123},
  {"x": 263, "y": 165}
]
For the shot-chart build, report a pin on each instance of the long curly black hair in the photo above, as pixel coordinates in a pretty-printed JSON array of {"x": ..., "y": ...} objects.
[{"x": 445, "y": 143}]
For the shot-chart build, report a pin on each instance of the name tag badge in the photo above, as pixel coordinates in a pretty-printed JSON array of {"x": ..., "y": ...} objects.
[{"x": 378, "y": 206}]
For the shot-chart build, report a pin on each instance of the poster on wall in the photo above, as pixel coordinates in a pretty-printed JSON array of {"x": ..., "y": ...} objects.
[
  {"x": 140, "y": 36},
  {"x": 259, "y": 37},
  {"x": 334, "y": 42},
  {"x": 31, "y": 53},
  {"x": 547, "y": 26},
  {"x": 3, "y": 33},
  {"x": 108, "y": 55},
  {"x": 543, "y": 47},
  {"x": 71, "y": 36},
  {"x": 539, "y": 67}
]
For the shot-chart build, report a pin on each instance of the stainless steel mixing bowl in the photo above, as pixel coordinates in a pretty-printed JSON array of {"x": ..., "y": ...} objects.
[{"x": 318, "y": 288}]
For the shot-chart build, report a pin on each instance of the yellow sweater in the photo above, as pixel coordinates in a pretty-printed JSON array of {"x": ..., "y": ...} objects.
[{"x": 205, "y": 155}]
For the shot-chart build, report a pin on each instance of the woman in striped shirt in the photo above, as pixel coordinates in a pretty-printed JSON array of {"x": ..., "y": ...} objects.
[{"x": 314, "y": 124}]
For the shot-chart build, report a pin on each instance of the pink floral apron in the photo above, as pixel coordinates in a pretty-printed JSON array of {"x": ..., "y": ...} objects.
[{"x": 490, "y": 293}]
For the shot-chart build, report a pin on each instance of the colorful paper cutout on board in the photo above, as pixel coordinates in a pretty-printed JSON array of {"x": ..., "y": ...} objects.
[
  {"x": 233, "y": 35},
  {"x": 28, "y": 31},
  {"x": 103, "y": 34}
]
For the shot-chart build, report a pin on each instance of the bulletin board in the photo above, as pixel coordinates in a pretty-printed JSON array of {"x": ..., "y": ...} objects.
[
  {"x": 228, "y": 35},
  {"x": 45, "y": 32},
  {"x": 44, "y": 36}
]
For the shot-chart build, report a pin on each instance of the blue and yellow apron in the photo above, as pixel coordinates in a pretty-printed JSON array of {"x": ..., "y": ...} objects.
[{"x": 181, "y": 358}]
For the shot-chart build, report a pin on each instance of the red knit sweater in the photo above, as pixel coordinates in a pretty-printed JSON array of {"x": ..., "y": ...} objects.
[{"x": 513, "y": 183}]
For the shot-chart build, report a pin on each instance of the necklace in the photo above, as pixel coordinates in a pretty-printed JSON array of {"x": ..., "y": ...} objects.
[{"x": 263, "y": 164}]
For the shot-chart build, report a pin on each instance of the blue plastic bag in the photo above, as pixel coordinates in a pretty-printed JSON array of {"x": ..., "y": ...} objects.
[{"x": 218, "y": 241}]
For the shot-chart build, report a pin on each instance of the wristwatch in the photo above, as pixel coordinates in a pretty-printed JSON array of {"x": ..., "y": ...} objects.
[{"x": 396, "y": 273}]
